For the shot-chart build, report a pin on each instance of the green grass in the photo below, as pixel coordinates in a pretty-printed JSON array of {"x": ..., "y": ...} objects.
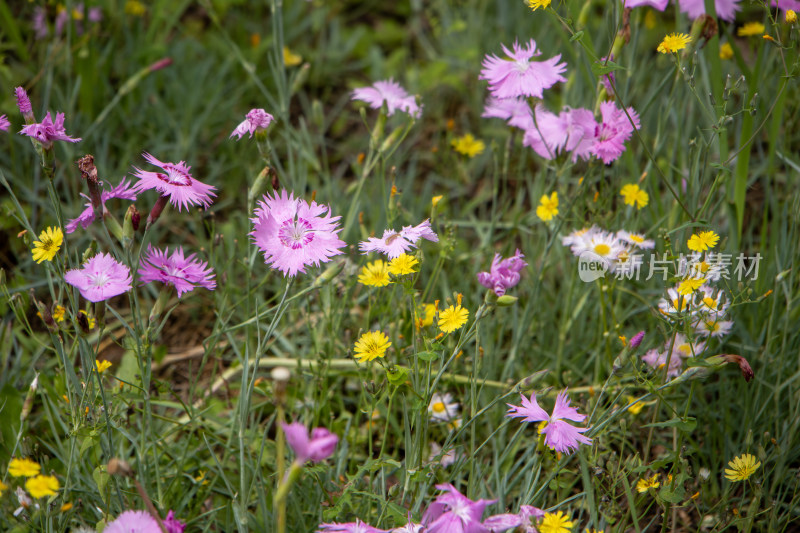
[{"x": 198, "y": 399}]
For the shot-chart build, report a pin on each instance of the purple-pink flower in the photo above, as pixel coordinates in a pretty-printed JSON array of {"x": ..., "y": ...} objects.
[
  {"x": 175, "y": 182},
  {"x": 396, "y": 243},
  {"x": 503, "y": 274},
  {"x": 614, "y": 131},
  {"x": 318, "y": 447},
  {"x": 785, "y": 5},
  {"x": 183, "y": 273},
  {"x": 392, "y": 93},
  {"x": 518, "y": 75},
  {"x": 349, "y": 527},
  {"x": 452, "y": 512},
  {"x": 48, "y": 131},
  {"x": 572, "y": 130},
  {"x": 172, "y": 524},
  {"x": 122, "y": 191},
  {"x": 660, "y": 5},
  {"x": 525, "y": 520},
  {"x": 636, "y": 340},
  {"x": 559, "y": 435},
  {"x": 293, "y": 234},
  {"x": 4, "y": 123},
  {"x": 102, "y": 277},
  {"x": 257, "y": 119},
  {"x": 726, "y": 9},
  {"x": 133, "y": 522}
]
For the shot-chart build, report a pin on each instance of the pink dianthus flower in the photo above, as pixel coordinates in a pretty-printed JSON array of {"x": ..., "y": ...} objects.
[
  {"x": 396, "y": 243},
  {"x": 133, "y": 522},
  {"x": 172, "y": 524},
  {"x": 559, "y": 435},
  {"x": 392, "y": 93},
  {"x": 85, "y": 219},
  {"x": 660, "y": 5},
  {"x": 503, "y": 274},
  {"x": 614, "y": 131},
  {"x": 183, "y": 273},
  {"x": 518, "y": 75},
  {"x": 102, "y": 277},
  {"x": 293, "y": 234},
  {"x": 525, "y": 520},
  {"x": 452, "y": 512},
  {"x": 726, "y": 9},
  {"x": 4, "y": 123},
  {"x": 48, "y": 131},
  {"x": 318, "y": 447},
  {"x": 257, "y": 119},
  {"x": 349, "y": 527},
  {"x": 175, "y": 182}
]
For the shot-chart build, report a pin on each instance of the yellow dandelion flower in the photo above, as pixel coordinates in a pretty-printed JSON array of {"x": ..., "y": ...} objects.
[
  {"x": 536, "y": 4},
  {"x": 371, "y": 345},
  {"x": 375, "y": 274},
  {"x": 135, "y": 8},
  {"x": 89, "y": 319},
  {"x": 402, "y": 265},
  {"x": 48, "y": 245},
  {"x": 700, "y": 242},
  {"x": 636, "y": 408},
  {"x": 632, "y": 194},
  {"x": 58, "y": 313},
  {"x": 468, "y": 145},
  {"x": 750, "y": 29},
  {"x": 674, "y": 42},
  {"x": 548, "y": 207},
  {"x": 742, "y": 467},
  {"x": 453, "y": 318},
  {"x": 726, "y": 51},
  {"x": 102, "y": 366},
  {"x": 555, "y": 523},
  {"x": 688, "y": 286},
  {"x": 791, "y": 16},
  {"x": 435, "y": 201},
  {"x": 429, "y": 312},
  {"x": 23, "y": 468},
  {"x": 290, "y": 59},
  {"x": 66, "y": 507},
  {"x": 647, "y": 483},
  {"x": 41, "y": 486}
]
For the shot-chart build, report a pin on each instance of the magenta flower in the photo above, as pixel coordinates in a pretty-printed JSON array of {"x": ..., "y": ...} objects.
[
  {"x": 101, "y": 278},
  {"x": 48, "y": 131},
  {"x": 183, "y": 273},
  {"x": 122, "y": 191},
  {"x": 615, "y": 129},
  {"x": 350, "y": 527},
  {"x": 293, "y": 234},
  {"x": 172, "y": 524},
  {"x": 175, "y": 182},
  {"x": 452, "y": 512},
  {"x": 257, "y": 119},
  {"x": 392, "y": 93},
  {"x": 785, "y": 5},
  {"x": 636, "y": 340},
  {"x": 23, "y": 102},
  {"x": 519, "y": 76},
  {"x": 4, "y": 123},
  {"x": 726, "y": 9},
  {"x": 524, "y": 520},
  {"x": 660, "y": 5},
  {"x": 395, "y": 244},
  {"x": 559, "y": 435},
  {"x": 503, "y": 274},
  {"x": 133, "y": 522},
  {"x": 318, "y": 447}
]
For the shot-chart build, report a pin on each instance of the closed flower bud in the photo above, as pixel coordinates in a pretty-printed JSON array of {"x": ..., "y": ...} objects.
[{"x": 506, "y": 300}]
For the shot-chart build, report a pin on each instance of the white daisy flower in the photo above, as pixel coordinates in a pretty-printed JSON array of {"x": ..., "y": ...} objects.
[
  {"x": 636, "y": 239},
  {"x": 713, "y": 327},
  {"x": 442, "y": 408}
]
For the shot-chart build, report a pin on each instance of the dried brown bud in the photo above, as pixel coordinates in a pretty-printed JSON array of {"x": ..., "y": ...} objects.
[{"x": 118, "y": 466}]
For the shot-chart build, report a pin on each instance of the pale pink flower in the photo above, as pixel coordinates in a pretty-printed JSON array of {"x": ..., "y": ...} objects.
[
  {"x": 102, "y": 277},
  {"x": 515, "y": 110},
  {"x": 349, "y": 527},
  {"x": 452, "y": 512},
  {"x": 525, "y": 520},
  {"x": 518, "y": 75},
  {"x": 183, "y": 273},
  {"x": 175, "y": 182},
  {"x": 133, "y": 522},
  {"x": 726, "y": 9},
  {"x": 257, "y": 119},
  {"x": 48, "y": 131},
  {"x": 559, "y": 435},
  {"x": 503, "y": 274},
  {"x": 396, "y": 243},
  {"x": 660, "y": 5},
  {"x": 392, "y": 93},
  {"x": 293, "y": 234},
  {"x": 785, "y": 5},
  {"x": 318, "y": 447},
  {"x": 4, "y": 123},
  {"x": 122, "y": 191}
]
